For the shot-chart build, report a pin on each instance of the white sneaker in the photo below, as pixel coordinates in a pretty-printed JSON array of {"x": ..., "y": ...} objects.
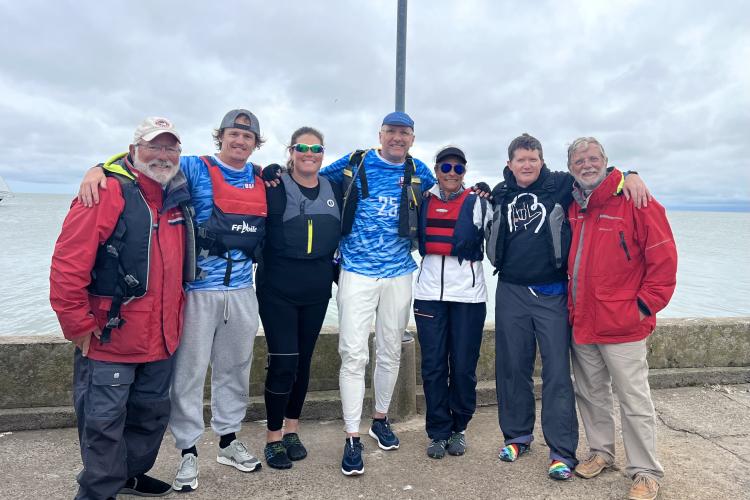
[
  {"x": 186, "y": 478},
  {"x": 237, "y": 456}
]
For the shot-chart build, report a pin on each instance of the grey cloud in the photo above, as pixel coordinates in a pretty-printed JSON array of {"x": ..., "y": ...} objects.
[{"x": 663, "y": 85}]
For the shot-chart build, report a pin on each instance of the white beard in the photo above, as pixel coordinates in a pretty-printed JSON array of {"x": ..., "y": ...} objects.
[
  {"x": 154, "y": 170},
  {"x": 593, "y": 184}
]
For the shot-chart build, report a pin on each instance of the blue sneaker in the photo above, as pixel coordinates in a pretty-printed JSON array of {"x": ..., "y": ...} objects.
[
  {"x": 352, "y": 464},
  {"x": 381, "y": 431}
]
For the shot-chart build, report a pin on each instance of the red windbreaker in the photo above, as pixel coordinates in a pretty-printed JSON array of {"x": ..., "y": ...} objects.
[
  {"x": 153, "y": 323},
  {"x": 619, "y": 255}
]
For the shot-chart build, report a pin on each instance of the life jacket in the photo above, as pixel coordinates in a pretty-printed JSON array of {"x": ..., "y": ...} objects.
[
  {"x": 311, "y": 228},
  {"x": 411, "y": 196},
  {"x": 447, "y": 227},
  {"x": 237, "y": 221},
  {"x": 556, "y": 225},
  {"x": 121, "y": 268}
]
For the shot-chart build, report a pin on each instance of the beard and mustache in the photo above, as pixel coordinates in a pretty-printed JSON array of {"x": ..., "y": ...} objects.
[{"x": 162, "y": 171}]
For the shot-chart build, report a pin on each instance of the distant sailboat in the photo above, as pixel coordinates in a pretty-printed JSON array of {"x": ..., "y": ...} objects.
[{"x": 5, "y": 191}]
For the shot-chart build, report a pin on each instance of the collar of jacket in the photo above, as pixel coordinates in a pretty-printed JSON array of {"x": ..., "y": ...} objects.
[
  {"x": 538, "y": 184},
  {"x": 439, "y": 193},
  {"x": 174, "y": 193},
  {"x": 610, "y": 186}
]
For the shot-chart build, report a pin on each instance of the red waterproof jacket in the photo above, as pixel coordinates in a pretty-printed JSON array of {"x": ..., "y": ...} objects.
[
  {"x": 620, "y": 256},
  {"x": 153, "y": 323}
]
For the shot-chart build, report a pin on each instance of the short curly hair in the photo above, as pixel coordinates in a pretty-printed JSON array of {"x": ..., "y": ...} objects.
[{"x": 525, "y": 141}]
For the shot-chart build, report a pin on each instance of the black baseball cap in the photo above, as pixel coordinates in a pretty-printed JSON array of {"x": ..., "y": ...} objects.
[{"x": 447, "y": 151}]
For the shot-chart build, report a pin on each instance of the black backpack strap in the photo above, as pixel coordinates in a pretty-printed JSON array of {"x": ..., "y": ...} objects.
[{"x": 356, "y": 161}]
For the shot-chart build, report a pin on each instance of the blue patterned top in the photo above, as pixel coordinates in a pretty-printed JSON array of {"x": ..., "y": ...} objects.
[
  {"x": 373, "y": 248},
  {"x": 199, "y": 182}
]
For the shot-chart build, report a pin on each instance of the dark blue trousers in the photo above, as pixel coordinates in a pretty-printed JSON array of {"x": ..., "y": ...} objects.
[
  {"x": 450, "y": 335},
  {"x": 122, "y": 411},
  {"x": 523, "y": 319}
]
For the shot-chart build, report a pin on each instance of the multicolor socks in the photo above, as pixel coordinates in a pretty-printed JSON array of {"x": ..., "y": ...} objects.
[
  {"x": 514, "y": 450},
  {"x": 560, "y": 471}
]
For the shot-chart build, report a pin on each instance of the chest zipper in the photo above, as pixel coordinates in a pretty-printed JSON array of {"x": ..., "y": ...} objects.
[
  {"x": 624, "y": 245},
  {"x": 442, "y": 278},
  {"x": 309, "y": 236},
  {"x": 308, "y": 250}
]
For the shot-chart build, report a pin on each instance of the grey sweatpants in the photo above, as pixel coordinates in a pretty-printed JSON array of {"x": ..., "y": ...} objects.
[
  {"x": 219, "y": 328},
  {"x": 595, "y": 367}
]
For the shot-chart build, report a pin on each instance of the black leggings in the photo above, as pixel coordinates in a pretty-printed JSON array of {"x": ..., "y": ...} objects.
[{"x": 291, "y": 332}]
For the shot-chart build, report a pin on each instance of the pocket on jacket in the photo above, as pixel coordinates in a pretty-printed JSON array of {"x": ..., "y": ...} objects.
[
  {"x": 616, "y": 309},
  {"x": 134, "y": 337}
]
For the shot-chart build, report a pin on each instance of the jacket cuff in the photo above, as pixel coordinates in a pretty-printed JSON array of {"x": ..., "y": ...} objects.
[{"x": 643, "y": 307}]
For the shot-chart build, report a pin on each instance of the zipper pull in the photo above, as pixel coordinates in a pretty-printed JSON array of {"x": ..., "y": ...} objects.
[{"x": 624, "y": 245}]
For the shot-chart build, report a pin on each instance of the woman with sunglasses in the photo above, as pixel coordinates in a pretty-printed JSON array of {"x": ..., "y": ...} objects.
[
  {"x": 450, "y": 301},
  {"x": 294, "y": 286}
]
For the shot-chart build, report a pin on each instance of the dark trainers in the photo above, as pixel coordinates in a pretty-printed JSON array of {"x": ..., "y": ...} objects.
[
  {"x": 456, "y": 444},
  {"x": 145, "y": 486},
  {"x": 511, "y": 452},
  {"x": 560, "y": 471},
  {"x": 381, "y": 431},
  {"x": 352, "y": 464},
  {"x": 276, "y": 456},
  {"x": 295, "y": 450},
  {"x": 436, "y": 449}
]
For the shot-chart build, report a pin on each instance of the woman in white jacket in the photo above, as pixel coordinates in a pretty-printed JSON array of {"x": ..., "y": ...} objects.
[{"x": 450, "y": 301}]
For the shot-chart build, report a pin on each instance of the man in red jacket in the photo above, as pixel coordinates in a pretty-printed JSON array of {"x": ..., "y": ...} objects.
[
  {"x": 116, "y": 286},
  {"x": 622, "y": 266}
]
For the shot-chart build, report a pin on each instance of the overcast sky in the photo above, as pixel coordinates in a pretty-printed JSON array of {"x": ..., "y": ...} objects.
[{"x": 665, "y": 85}]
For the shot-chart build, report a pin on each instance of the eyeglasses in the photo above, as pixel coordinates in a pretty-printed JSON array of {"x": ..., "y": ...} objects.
[
  {"x": 154, "y": 149},
  {"x": 593, "y": 160},
  {"x": 458, "y": 168},
  {"x": 304, "y": 148}
]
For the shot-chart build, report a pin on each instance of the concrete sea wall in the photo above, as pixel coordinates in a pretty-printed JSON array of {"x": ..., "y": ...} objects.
[{"x": 36, "y": 372}]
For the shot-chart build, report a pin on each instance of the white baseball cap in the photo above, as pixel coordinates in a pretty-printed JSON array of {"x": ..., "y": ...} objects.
[{"x": 152, "y": 127}]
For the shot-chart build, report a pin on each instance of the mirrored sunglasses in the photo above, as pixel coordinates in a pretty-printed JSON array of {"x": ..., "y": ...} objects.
[
  {"x": 458, "y": 168},
  {"x": 304, "y": 148}
]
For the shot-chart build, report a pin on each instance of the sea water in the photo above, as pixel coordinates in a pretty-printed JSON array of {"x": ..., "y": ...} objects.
[{"x": 713, "y": 278}]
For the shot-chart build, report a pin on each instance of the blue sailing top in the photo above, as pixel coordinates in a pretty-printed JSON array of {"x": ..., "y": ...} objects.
[
  {"x": 199, "y": 182},
  {"x": 373, "y": 248}
]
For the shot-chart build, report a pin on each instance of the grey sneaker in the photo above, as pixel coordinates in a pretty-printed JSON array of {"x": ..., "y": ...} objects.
[
  {"x": 237, "y": 456},
  {"x": 456, "y": 444},
  {"x": 186, "y": 478},
  {"x": 436, "y": 448}
]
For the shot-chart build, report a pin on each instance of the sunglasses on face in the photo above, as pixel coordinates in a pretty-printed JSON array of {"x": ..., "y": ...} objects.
[
  {"x": 458, "y": 168},
  {"x": 304, "y": 148}
]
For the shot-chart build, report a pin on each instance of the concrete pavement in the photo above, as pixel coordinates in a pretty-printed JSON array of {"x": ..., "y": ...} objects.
[{"x": 703, "y": 444}]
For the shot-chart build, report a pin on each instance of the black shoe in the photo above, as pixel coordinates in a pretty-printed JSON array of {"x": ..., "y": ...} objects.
[
  {"x": 295, "y": 450},
  {"x": 436, "y": 448},
  {"x": 145, "y": 486},
  {"x": 276, "y": 456},
  {"x": 456, "y": 444}
]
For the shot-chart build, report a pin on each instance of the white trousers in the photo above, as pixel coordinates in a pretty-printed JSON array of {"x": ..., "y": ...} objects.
[
  {"x": 361, "y": 300},
  {"x": 595, "y": 367}
]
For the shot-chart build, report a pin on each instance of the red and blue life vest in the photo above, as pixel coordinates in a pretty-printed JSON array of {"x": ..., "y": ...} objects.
[
  {"x": 447, "y": 227},
  {"x": 237, "y": 221}
]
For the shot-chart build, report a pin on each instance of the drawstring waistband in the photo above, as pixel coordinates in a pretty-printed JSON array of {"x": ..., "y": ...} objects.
[{"x": 226, "y": 307}]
